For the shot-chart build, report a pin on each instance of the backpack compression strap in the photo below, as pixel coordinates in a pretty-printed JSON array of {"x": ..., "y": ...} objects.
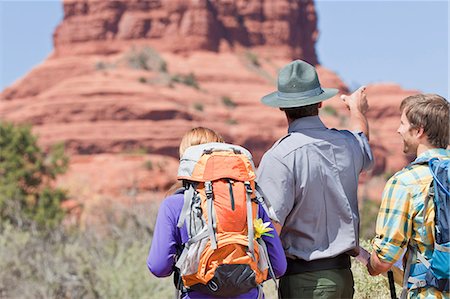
[
  {"x": 251, "y": 234},
  {"x": 211, "y": 214},
  {"x": 266, "y": 253},
  {"x": 188, "y": 195}
]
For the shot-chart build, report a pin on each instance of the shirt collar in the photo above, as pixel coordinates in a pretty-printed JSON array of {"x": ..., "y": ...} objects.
[
  {"x": 309, "y": 122},
  {"x": 431, "y": 153}
]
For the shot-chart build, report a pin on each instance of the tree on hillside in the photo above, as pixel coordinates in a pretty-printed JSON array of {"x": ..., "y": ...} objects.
[{"x": 26, "y": 176}]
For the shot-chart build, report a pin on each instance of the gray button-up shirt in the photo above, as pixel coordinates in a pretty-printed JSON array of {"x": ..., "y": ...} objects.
[{"x": 310, "y": 177}]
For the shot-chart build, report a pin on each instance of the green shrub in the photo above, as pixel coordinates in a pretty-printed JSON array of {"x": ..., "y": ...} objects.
[
  {"x": 189, "y": 80},
  {"x": 148, "y": 165},
  {"x": 228, "y": 102},
  {"x": 142, "y": 80},
  {"x": 329, "y": 110},
  {"x": 26, "y": 177},
  {"x": 198, "y": 106},
  {"x": 101, "y": 66},
  {"x": 252, "y": 58},
  {"x": 387, "y": 175},
  {"x": 368, "y": 215},
  {"x": 146, "y": 59},
  {"x": 231, "y": 121},
  {"x": 136, "y": 150}
]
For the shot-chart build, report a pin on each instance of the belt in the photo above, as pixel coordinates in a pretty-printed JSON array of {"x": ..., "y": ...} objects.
[{"x": 297, "y": 266}]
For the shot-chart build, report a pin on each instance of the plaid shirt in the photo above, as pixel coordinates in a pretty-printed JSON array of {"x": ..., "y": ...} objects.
[{"x": 400, "y": 220}]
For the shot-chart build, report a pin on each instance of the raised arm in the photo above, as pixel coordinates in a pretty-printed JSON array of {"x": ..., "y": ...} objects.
[{"x": 358, "y": 106}]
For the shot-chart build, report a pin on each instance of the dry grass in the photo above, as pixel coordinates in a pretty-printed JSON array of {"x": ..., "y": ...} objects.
[{"x": 107, "y": 259}]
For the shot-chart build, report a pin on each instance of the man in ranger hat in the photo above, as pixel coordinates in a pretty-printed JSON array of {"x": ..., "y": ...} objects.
[{"x": 310, "y": 177}]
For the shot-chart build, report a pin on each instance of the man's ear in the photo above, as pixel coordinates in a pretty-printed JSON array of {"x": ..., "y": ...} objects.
[
  {"x": 320, "y": 105},
  {"x": 420, "y": 133}
]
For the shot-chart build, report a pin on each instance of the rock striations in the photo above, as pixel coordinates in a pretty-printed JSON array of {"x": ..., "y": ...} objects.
[
  {"x": 287, "y": 28},
  {"x": 127, "y": 79}
]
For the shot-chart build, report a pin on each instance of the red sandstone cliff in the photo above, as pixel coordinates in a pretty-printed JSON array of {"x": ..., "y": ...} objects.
[
  {"x": 289, "y": 27},
  {"x": 128, "y": 78}
]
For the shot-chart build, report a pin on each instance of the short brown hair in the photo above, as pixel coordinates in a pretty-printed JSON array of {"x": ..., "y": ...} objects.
[
  {"x": 430, "y": 112},
  {"x": 299, "y": 112}
]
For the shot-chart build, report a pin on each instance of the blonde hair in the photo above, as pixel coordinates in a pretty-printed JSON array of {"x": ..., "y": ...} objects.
[{"x": 197, "y": 136}]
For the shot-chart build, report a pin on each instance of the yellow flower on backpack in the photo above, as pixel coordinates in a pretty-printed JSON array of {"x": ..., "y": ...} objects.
[{"x": 262, "y": 228}]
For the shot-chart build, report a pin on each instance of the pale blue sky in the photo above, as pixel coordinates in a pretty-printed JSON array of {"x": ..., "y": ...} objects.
[{"x": 406, "y": 42}]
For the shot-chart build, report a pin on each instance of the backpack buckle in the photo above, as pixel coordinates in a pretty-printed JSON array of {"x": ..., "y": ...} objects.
[
  {"x": 248, "y": 187},
  {"x": 208, "y": 188}
]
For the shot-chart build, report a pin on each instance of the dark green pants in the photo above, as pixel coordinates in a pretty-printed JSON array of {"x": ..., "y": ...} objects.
[{"x": 325, "y": 284}]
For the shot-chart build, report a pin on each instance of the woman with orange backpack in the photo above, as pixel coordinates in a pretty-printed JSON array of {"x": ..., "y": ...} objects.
[{"x": 214, "y": 233}]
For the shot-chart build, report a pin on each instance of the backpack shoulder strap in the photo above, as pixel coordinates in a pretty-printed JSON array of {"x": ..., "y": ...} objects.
[
  {"x": 411, "y": 256},
  {"x": 211, "y": 214},
  {"x": 188, "y": 195},
  {"x": 434, "y": 166},
  {"x": 265, "y": 203},
  {"x": 251, "y": 234}
]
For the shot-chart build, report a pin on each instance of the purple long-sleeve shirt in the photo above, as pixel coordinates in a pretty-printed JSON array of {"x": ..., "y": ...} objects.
[{"x": 168, "y": 239}]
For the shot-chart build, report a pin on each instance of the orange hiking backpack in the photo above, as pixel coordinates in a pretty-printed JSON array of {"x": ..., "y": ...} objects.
[{"x": 221, "y": 257}]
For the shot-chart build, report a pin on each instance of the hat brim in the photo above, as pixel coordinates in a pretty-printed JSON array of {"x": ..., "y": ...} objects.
[{"x": 273, "y": 100}]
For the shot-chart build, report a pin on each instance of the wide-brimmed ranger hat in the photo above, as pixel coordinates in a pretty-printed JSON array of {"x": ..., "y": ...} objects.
[{"x": 298, "y": 86}]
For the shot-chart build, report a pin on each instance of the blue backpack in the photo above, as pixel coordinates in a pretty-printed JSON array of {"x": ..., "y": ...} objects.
[{"x": 434, "y": 272}]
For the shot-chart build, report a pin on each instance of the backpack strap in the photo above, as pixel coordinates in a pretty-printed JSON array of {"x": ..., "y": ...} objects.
[
  {"x": 411, "y": 256},
  {"x": 414, "y": 255},
  {"x": 266, "y": 253},
  {"x": 436, "y": 179},
  {"x": 211, "y": 214},
  {"x": 201, "y": 235},
  {"x": 260, "y": 292},
  {"x": 251, "y": 234},
  {"x": 188, "y": 195},
  {"x": 265, "y": 203}
]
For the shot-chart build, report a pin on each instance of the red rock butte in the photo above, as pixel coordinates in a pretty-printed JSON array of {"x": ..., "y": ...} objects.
[{"x": 127, "y": 79}]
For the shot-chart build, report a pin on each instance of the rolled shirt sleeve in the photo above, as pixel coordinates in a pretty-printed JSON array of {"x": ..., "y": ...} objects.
[
  {"x": 394, "y": 222},
  {"x": 277, "y": 184}
]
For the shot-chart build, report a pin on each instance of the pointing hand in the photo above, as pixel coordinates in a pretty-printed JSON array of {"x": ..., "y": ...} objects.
[{"x": 357, "y": 100}]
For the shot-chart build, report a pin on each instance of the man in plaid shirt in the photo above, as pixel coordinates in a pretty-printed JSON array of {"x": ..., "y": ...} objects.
[{"x": 424, "y": 128}]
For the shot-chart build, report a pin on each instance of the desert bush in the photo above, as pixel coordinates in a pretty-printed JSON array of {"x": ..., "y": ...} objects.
[
  {"x": 228, "y": 102},
  {"x": 252, "y": 58},
  {"x": 329, "y": 110},
  {"x": 148, "y": 165},
  {"x": 101, "y": 65},
  {"x": 26, "y": 177},
  {"x": 388, "y": 174},
  {"x": 146, "y": 59},
  {"x": 104, "y": 260},
  {"x": 231, "y": 121},
  {"x": 198, "y": 106},
  {"x": 368, "y": 215},
  {"x": 189, "y": 80}
]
